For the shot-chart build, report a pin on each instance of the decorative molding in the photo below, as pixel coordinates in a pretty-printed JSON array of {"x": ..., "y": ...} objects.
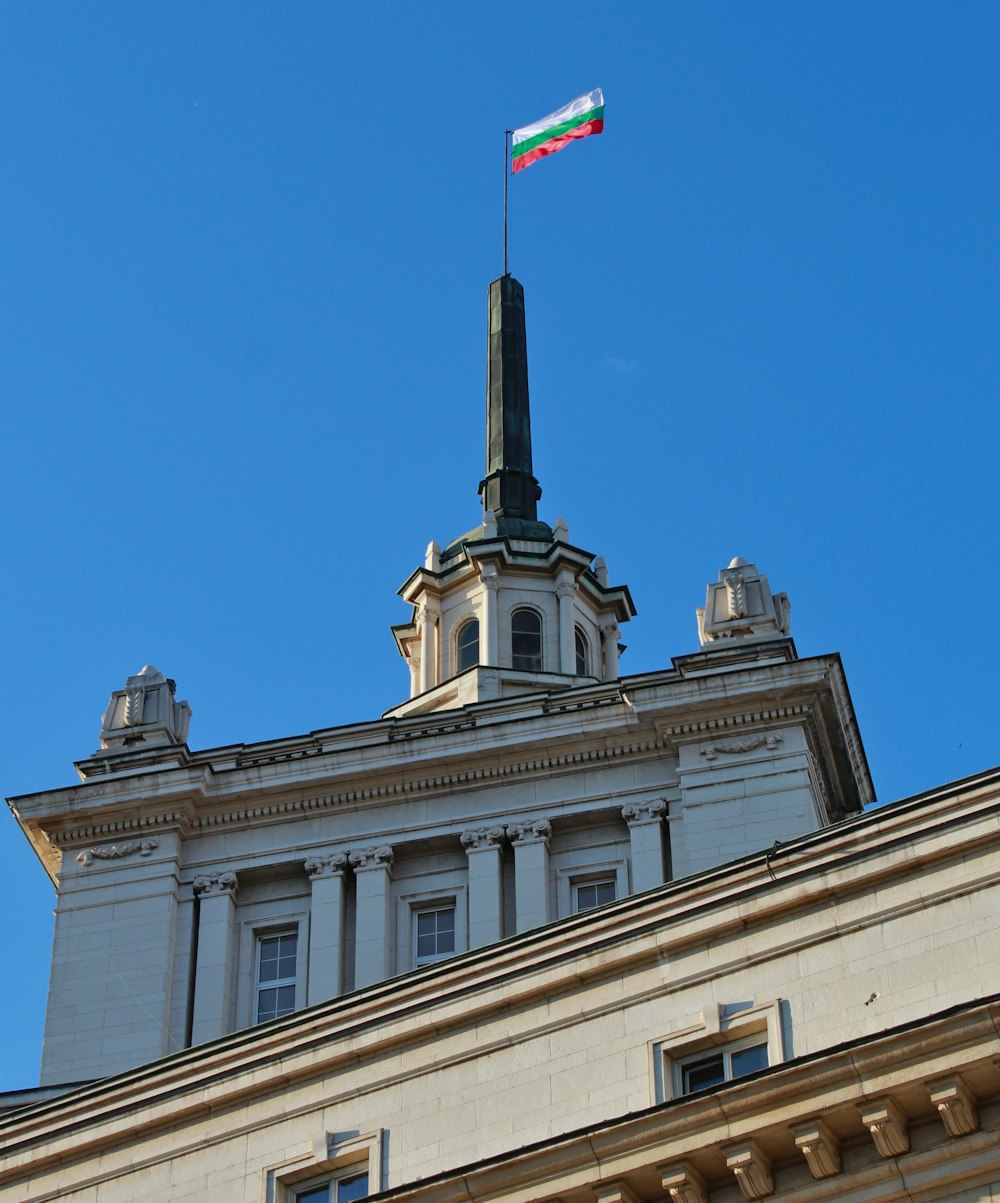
[
  {"x": 380, "y": 857},
  {"x": 819, "y": 1146},
  {"x": 116, "y": 851},
  {"x": 208, "y": 884},
  {"x": 529, "y": 831},
  {"x": 683, "y": 1183},
  {"x": 752, "y": 1168},
  {"x": 482, "y": 838},
  {"x": 132, "y": 716},
  {"x": 956, "y": 1104},
  {"x": 741, "y": 746},
  {"x": 736, "y": 595},
  {"x": 331, "y": 864},
  {"x": 888, "y": 1126},
  {"x": 644, "y": 812}
]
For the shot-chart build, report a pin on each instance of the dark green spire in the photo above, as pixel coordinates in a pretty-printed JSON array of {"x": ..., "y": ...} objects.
[{"x": 510, "y": 489}]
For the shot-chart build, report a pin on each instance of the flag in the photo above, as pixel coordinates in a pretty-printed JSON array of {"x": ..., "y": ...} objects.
[{"x": 580, "y": 117}]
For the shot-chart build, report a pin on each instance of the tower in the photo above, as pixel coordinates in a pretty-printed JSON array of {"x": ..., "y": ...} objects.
[{"x": 512, "y": 606}]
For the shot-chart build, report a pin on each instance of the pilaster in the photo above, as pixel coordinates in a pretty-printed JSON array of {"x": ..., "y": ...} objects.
[
  {"x": 484, "y": 851},
  {"x": 213, "y": 976},
  {"x": 373, "y": 876},
  {"x": 566, "y": 592},
  {"x": 645, "y": 829},
  {"x": 326, "y": 926},
  {"x": 530, "y": 839}
]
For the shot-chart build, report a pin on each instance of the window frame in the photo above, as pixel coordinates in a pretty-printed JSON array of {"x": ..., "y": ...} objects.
[
  {"x": 569, "y": 877},
  {"x": 719, "y": 1027},
  {"x": 447, "y": 889},
  {"x": 472, "y": 620},
  {"x": 540, "y": 619},
  {"x": 296, "y": 1192},
  {"x": 440, "y": 908},
  {"x": 682, "y": 1065},
  {"x": 260, "y": 926},
  {"x": 326, "y": 1159},
  {"x": 581, "y": 650},
  {"x": 593, "y": 883},
  {"x": 277, "y": 983}
]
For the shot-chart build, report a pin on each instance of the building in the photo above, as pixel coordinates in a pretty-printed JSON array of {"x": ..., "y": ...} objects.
[{"x": 540, "y": 932}]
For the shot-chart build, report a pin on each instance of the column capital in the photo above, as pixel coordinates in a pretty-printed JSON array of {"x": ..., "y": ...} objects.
[
  {"x": 566, "y": 587},
  {"x": 491, "y": 580},
  {"x": 529, "y": 831},
  {"x": 644, "y": 812},
  {"x": 207, "y": 884},
  {"x": 480, "y": 838},
  {"x": 379, "y": 857},
  {"x": 329, "y": 864}
]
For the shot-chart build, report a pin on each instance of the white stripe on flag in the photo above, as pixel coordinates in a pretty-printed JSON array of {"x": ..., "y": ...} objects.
[{"x": 582, "y": 104}]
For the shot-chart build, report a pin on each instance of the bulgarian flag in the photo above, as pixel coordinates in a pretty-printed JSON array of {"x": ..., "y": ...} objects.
[{"x": 580, "y": 117}]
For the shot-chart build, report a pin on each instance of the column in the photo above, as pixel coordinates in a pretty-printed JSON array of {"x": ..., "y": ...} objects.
[
  {"x": 610, "y": 634},
  {"x": 373, "y": 877},
  {"x": 645, "y": 830},
  {"x": 485, "y": 854},
  {"x": 566, "y": 591},
  {"x": 531, "y": 872},
  {"x": 326, "y": 926},
  {"x": 414, "y": 674},
  {"x": 428, "y": 618},
  {"x": 489, "y": 637},
  {"x": 213, "y": 975}
]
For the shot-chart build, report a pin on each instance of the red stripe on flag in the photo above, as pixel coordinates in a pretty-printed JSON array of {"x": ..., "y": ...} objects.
[{"x": 550, "y": 148}]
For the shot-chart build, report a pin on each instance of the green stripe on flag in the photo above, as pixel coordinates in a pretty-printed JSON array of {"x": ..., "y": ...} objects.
[{"x": 547, "y": 135}]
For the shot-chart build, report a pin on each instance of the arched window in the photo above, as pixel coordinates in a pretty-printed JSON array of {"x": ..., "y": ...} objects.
[
  {"x": 581, "y": 653},
  {"x": 526, "y": 639},
  {"x": 468, "y": 645}
]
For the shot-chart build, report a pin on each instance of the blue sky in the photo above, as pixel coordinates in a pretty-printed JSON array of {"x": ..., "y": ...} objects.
[{"x": 246, "y": 250}]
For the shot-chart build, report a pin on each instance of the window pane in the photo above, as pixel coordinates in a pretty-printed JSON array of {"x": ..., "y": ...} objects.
[
  {"x": 349, "y": 1189},
  {"x": 709, "y": 1071},
  {"x": 468, "y": 645},
  {"x": 526, "y": 639},
  {"x": 749, "y": 1060},
  {"x": 435, "y": 933},
  {"x": 594, "y": 893},
  {"x": 315, "y": 1194}
]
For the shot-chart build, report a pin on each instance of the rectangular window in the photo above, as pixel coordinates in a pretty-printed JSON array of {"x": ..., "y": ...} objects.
[
  {"x": 589, "y": 894},
  {"x": 344, "y": 1189},
  {"x": 274, "y": 984},
  {"x": 433, "y": 934},
  {"x": 722, "y": 1065}
]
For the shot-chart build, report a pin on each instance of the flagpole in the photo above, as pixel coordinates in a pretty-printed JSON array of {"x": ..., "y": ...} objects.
[{"x": 506, "y": 173}]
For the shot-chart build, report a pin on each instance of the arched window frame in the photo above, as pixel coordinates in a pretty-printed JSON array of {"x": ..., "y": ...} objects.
[
  {"x": 581, "y": 649},
  {"x": 463, "y": 628},
  {"x": 538, "y": 658}
]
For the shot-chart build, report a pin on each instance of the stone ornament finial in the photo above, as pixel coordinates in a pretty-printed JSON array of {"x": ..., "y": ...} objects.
[
  {"x": 740, "y": 605},
  {"x": 207, "y": 884},
  {"x": 145, "y": 712},
  {"x": 330, "y": 864}
]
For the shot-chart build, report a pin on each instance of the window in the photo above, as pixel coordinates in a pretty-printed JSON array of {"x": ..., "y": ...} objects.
[
  {"x": 468, "y": 645},
  {"x": 589, "y": 894},
  {"x": 433, "y": 934},
  {"x": 337, "y": 1190},
  {"x": 526, "y": 640},
  {"x": 274, "y": 982},
  {"x": 722, "y": 1064},
  {"x": 581, "y": 653}
]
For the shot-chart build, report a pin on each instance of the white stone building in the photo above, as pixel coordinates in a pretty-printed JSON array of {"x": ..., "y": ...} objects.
[{"x": 541, "y": 932}]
